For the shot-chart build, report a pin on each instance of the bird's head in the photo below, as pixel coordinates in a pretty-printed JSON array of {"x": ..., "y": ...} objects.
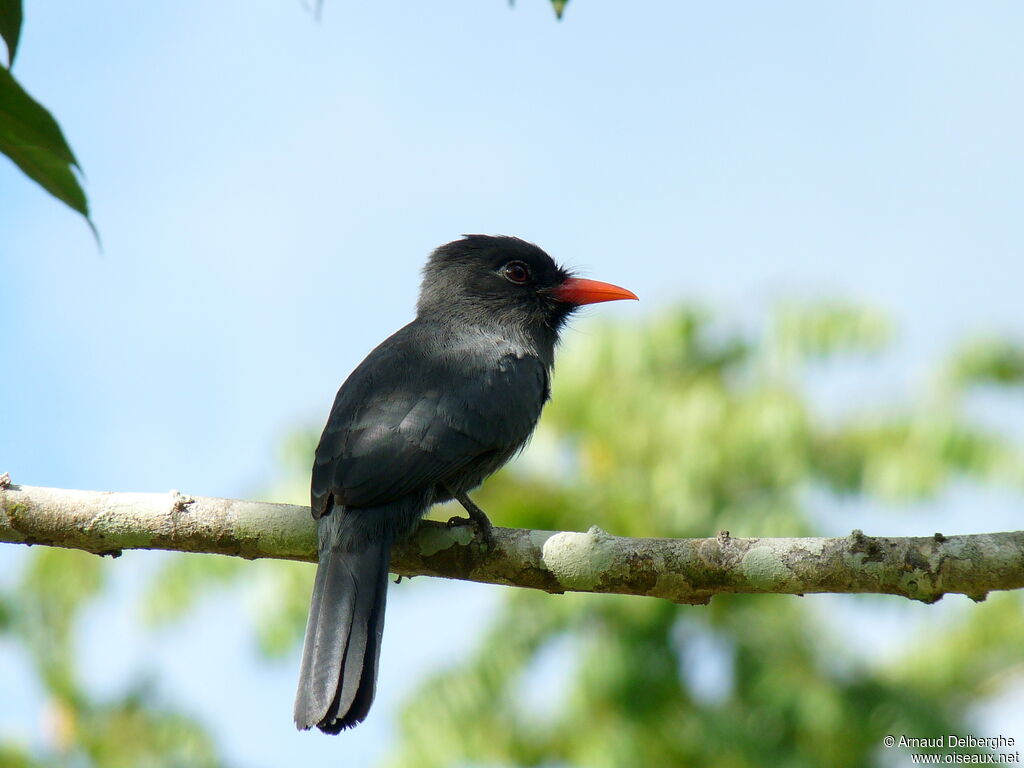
[{"x": 488, "y": 280}]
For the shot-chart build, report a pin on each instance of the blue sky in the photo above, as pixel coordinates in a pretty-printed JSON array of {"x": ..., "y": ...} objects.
[{"x": 267, "y": 188}]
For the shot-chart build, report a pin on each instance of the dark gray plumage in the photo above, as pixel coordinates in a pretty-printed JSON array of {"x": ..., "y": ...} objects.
[{"x": 429, "y": 414}]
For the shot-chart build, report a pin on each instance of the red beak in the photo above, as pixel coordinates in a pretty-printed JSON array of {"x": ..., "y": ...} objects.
[{"x": 578, "y": 291}]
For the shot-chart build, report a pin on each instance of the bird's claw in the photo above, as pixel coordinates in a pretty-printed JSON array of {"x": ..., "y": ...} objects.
[
  {"x": 477, "y": 517},
  {"x": 483, "y": 527}
]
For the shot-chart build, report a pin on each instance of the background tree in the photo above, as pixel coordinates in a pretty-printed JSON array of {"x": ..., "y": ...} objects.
[
  {"x": 710, "y": 431},
  {"x": 675, "y": 427}
]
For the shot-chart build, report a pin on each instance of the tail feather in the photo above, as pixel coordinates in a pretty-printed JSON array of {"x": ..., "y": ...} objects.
[
  {"x": 364, "y": 697},
  {"x": 327, "y": 630},
  {"x": 337, "y": 679},
  {"x": 359, "y": 673}
]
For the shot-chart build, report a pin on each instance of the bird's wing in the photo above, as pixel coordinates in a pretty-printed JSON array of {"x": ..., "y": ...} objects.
[{"x": 406, "y": 420}]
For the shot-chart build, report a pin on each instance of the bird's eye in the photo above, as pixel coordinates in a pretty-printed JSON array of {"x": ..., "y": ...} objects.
[{"x": 515, "y": 272}]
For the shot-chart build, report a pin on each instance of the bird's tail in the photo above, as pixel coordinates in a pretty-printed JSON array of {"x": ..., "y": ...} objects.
[{"x": 346, "y": 620}]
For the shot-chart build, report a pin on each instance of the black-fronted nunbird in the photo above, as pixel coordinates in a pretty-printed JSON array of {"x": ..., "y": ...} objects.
[{"x": 429, "y": 414}]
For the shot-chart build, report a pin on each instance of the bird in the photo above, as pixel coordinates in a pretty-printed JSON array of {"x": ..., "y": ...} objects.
[{"x": 429, "y": 414}]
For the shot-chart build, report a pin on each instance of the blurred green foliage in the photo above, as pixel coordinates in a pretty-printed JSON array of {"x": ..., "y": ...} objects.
[
  {"x": 133, "y": 730},
  {"x": 673, "y": 427},
  {"x": 989, "y": 361}
]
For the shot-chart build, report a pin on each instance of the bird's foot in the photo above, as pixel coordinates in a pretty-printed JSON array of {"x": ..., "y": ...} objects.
[
  {"x": 483, "y": 529},
  {"x": 477, "y": 518}
]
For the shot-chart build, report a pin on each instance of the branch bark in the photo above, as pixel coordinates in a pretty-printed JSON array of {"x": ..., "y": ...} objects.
[{"x": 681, "y": 570}]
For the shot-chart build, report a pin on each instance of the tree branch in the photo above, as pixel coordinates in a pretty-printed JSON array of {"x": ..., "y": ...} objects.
[{"x": 681, "y": 570}]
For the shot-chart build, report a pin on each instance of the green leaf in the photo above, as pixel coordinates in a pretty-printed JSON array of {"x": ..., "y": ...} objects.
[
  {"x": 10, "y": 27},
  {"x": 818, "y": 330},
  {"x": 989, "y": 361},
  {"x": 182, "y": 581},
  {"x": 6, "y": 616},
  {"x": 32, "y": 139},
  {"x": 559, "y": 6}
]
